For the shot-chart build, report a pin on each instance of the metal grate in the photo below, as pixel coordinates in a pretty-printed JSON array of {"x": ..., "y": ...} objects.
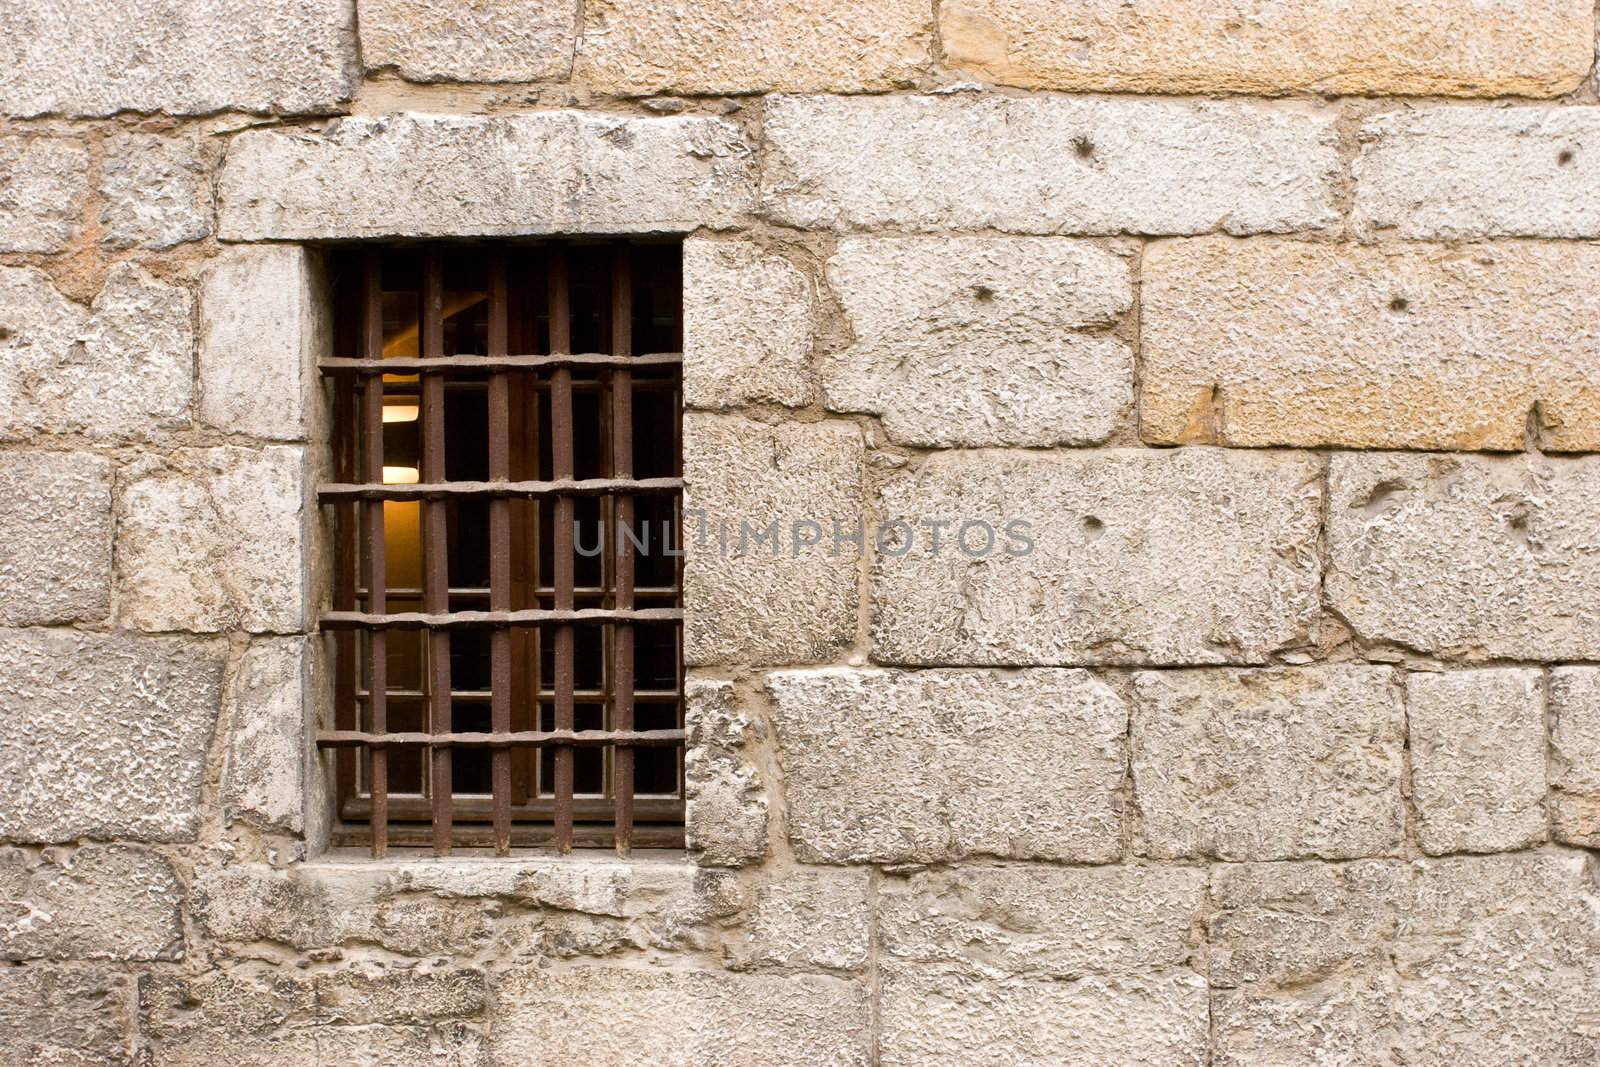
[{"x": 488, "y": 687}]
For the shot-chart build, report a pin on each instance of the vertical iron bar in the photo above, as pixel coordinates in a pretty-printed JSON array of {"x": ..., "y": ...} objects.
[
  {"x": 500, "y": 554},
  {"x": 346, "y": 567},
  {"x": 436, "y": 570},
  {"x": 622, "y": 467},
  {"x": 561, "y": 445},
  {"x": 377, "y": 600}
]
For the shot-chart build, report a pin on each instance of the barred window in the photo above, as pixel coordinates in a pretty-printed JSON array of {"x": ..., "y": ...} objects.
[{"x": 507, "y": 602}]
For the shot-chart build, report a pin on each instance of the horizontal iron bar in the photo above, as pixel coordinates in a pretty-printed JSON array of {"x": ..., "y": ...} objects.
[
  {"x": 514, "y": 739},
  {"x": 417, "y": 620},
  {"x": 482, "y": 696},
  {"x": 438, "y": 490},
  {"x": 406, "y": 364}
]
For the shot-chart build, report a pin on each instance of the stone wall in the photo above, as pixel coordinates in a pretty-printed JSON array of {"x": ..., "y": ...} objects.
[{"x": 1279, "y": 744}]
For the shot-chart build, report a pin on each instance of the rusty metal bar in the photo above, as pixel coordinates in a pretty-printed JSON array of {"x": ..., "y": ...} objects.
[
  {"x": 561, "y": 467},
  {"x": 346, "y": 564},
  {"x": 622, "y": 547},
  {"x": 435, "y": 558},
  {"x": 377, "y": 643},
  {"x": 502, "y": 740},
  {"x": 335, "y": 365},
  {"x": 500, "y": 553},
  {"x": 337, "y": 491},
  {"x": 560, "y": 617}
]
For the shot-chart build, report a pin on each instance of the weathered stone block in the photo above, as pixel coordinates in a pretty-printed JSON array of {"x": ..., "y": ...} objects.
[
  {"x": 1269, "y": 342},
  {"x": 766, "y": 577},
  {"x": 747, "y": 327},
  {"x": 121, "y": 368},
  {"x": 440, "y": 175},
  {"x": 1477, "y": 759},
  {"x": 68, "y": 1015},
  {"x": 807, "y": 919},
  {"x": 1333, "y": 47},
  {"x": 262, "y": 328},
  {"x": 494, "y": 41},
  {"x": 156, "y": 191},
  {"x": 976, "y": 340},
  {"x": 1060, "y": 922},
  {"x": 1575, "y": 754},
  {"x": 635, "y": 47},
  {"x": 928, "y": 766},
  {"x": 1047, "y": 164},
  {"x": 1343, "y": 1018},
  {"x": 104, "y": 736},
  {"x": 42, "y": 186},
  {"x": 1268, "y": 764},
  {"x": 1455, "y": 172},
  {"x": 81, "y": 57},
  {"x": 1122, "y": 556},
  {"x": 725, "y": 820},
  {"x": 265, "y": 774},
  {"x": 1467, "y": 556},
  {"x": 107, "y": 902},
  {"x": 678, "y": 1018},
  {"x": 55, "y": 537},
  {"x": 950, "y": 1016},
  {"x": 211, "y": 539}
]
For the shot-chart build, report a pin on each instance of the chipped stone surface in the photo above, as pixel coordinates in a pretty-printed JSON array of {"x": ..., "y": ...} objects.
[
  {"x": 1268, "y": 764},
  {"x": 120, "y": 368},
  {"x": 1456, "y": 172},
  {"x": 70, "y": 1015},
  {"x": 635, "y": 47},
  {"x": 42, "y": 184},
  {"x": 1047, "y": 164},
  {"x": 976, "y": 340},
  {"x": 753, "y": 599},
  {"x": 55, "y": 537},
  {"x": 1575, "y": 754},
  {"x": 106, "y": 902},
  {"x": 725, "y": 821},
  {"x": 156, "y": 192},
  {"x": 926, "y": 766},
  {"x": 807, "y": 919},
  {"x": 948, "y": 1015},
  {"x": 1057, "y": 922},
  {"x": 104, "y": 736},
  {"x": 1332, "y": 47},
  {"x": 264, "y": 778},
  {"x": 261, "y": 331},
  {"x": 1268, "y": 342},
  {"x": 441, "y": 175},
  {"x": 1477, "y": 759},
  {"x": 1137, "y": 556},
  {"x": 189, "y": 57},
  {"x": 493, "y": 41},
  {"x": 1467, "y": 556},
  {"x": 747, "y": 327},
  {"x": 211, "y": 539}
]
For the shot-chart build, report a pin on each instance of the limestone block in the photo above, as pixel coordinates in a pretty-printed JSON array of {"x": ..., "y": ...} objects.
[
  {"x": 107, "y": 902},
  {"x": 766, "y": 578},
  {"x": 1268, "y": 342},
  {"x": 188, "y": 57},
  {"x": 212, "y": 539},
  {"x": 65, "y": 1014},
  {"x": 1467, "y": 556},
  {"x": 1575, "y": 754},
  {"x": 486, "y": 41},
  {"x": 1131, "y": 556},
  {"x": 1331, "y": 47},
  {"x": 1477, "y": 759},
  {"x": 725, "y": 818},
  {"x": 55, "y": 537},
  {"x": 264, "y": 777},
  {"x": 635, "y": 47},
  {"x": 747, "y": 327},
  {"x": 104, "y": 736},
  {"x": 443, "y": 175},
  {"x": 928, "y": 766},
  {"x": 1047, "y": 164},
  {"x": 42, "y": 184},
  {"x": 156, "y": 190},
  {"x": 1268, "y": 764},
  {"x": 120, "y": 368},
  {"x": 978, "y": 340},
  {"x": 807, "y": 919}
]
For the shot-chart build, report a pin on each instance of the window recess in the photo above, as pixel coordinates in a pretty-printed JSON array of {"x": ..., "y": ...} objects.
[{"x": 507, "y": 603}]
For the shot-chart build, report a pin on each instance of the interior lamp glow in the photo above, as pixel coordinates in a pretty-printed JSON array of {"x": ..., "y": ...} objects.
[{"x": 400, "y": 476}]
